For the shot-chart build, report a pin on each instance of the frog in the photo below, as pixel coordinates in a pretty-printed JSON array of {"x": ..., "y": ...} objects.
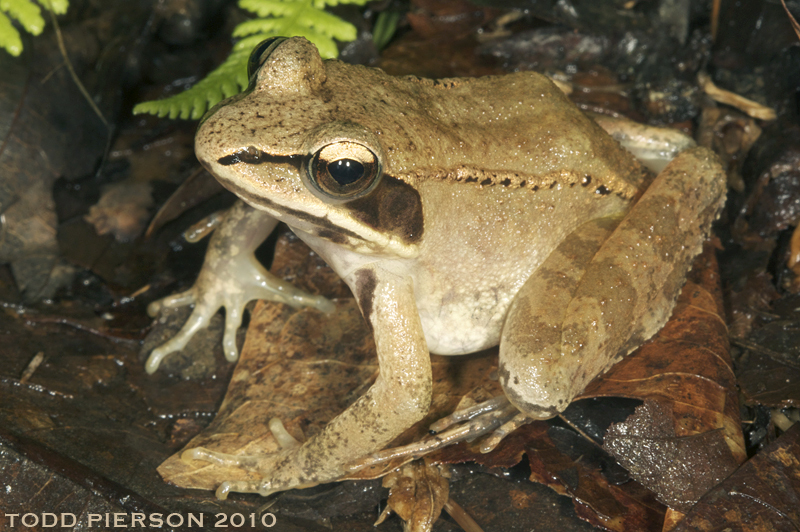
[{"x": 462, "y": 213}]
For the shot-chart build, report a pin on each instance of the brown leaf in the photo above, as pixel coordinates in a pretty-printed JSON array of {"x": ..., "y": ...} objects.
[
  {"x": 571, "y": 466},
  {"x": 751, "y": 298},
  {"x": 679, "y": 469},
  {"x": 731, "y": 135},
  {"x": 773, "y": 187},
  {"x": 687, "y": 364},
  {"x": 197, "y": 188},
  {"x": 446, "y": 19},
  {"x": 769, "y": 370},
  {"x": 762, "y": 495},
  {"x": 301, "y": 367},
  {"x": 43, "y": 138},
  {"x": 122, "y": 210}
]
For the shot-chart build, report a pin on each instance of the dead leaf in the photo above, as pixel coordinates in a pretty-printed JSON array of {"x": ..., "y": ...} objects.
[
  {"x": 772, "y": 204},
  {"x": 750, "y": 298},
  {"x": 197, "y": 188},
  {"x": 769, "y": 369},
  {"x": 763, "y": 495},
  {"x": 731, "y": 135},
  {"x": 303, "y": 368},
  {"x": 43, "y": 139},
  {"x": 573, "y": 466},
  {"x": 448, "y": 19},
  {"x": 122, "y": 210},
  {"x": 687, "y": 364},
  {"x": 679, "y": 469}
]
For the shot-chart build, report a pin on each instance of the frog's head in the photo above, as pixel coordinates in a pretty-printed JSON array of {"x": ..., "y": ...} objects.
[{"x": 294, "y": 146}]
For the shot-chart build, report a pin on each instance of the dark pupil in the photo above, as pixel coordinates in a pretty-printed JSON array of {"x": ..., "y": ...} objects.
[{"x": 346, "y": 171}]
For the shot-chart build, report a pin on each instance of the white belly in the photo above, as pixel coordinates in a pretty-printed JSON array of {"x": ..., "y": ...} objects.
[{"x": 464, "y": 328}]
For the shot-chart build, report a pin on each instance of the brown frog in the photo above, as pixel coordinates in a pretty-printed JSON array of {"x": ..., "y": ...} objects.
[{"x": 463, "y": 214}]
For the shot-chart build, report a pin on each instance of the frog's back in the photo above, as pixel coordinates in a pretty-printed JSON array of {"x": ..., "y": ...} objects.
[
  {"x": 521, "y": 130},
  {"x": 516, "y": 130}
]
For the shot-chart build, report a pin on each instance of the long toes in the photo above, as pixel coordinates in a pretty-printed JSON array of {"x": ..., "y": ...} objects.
[
  {"x": 175, "y": 300},
  {"x": 242, "y": 486},
  {"x": 233, "y": 319},
  {"x": 282, "y": 436},
  {"x": 198, "y": 320},
  {"x": 214, "y": 457},
  {"x": 492, "y": 405},
  {"x": 505, "y": 429}
]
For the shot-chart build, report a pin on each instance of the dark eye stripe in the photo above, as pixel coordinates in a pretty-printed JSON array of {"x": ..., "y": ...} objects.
[{"x": 252, "y": 155}]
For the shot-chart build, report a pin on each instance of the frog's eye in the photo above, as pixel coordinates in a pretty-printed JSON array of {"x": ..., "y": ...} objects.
[
  {"x": 344, "y": 170},
  {"x": 260, "y": 54}
]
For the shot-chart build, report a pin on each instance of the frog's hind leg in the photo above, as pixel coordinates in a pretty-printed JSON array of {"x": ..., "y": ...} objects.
[
  {"x": 596, "y": 299},
  {"x": 531, "y": 367}
]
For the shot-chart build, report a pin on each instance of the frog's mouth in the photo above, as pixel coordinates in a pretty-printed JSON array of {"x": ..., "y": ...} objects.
[{"x": 307, "y": 221}]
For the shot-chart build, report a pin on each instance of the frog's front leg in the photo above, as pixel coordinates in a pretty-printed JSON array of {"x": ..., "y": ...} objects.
[
  {"x": 584, "y": 309},
  {"x": 399, "y": 397},
  {"x": 231, "y": 277}
]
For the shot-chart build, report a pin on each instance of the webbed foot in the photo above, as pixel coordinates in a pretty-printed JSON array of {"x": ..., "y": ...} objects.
[
  {"x": 280, "y": 471},
  {"x": 497, "y": 416},
  {"x": 230, "y": 278}
]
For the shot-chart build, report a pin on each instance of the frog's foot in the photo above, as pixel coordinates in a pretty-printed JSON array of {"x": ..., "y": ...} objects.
[
  {"x": 485, "y": 417},
  {"x": 231, "y": 284},
  {"x": 266, "y": 464},
  {"x": 231, "y": 277},
  {"x": 465, "y": 414},
  {"x": 654, "y": 146},
  {"x": 497, "y": 415}
]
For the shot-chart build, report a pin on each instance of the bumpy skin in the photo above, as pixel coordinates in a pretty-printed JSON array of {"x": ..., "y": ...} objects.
[{"x": 502, "y": 215}]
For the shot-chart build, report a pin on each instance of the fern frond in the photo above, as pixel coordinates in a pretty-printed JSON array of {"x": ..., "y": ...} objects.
[
  {"x": 59, "y": 7},
  {"x": 270, "y": 27},
  {"x": 266, "y": 8},
  {"x": 26, "y": 13},
  {"x": 29, "y": 16},
  {"x": 269, "y": 8},
  {"x": 224, "y": 81},
  {"x": 276, "y": 17},
  {"x": 9, "y": 36},
  {"x": 320, "y": 4}
]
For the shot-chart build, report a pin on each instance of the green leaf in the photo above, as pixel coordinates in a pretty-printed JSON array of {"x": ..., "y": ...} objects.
[
  {"x": 267, "y": 8},
  {"x": 264, "y": 8},
  {"x": 308, "y": 27},
  {"x": 225, "y": 81},
  {"x": 9, "y": 36},
  {"x": 29, "y": 16},
  {"x": 385, "y": 27},
  {"x": 26, "y": 12},
  {"x": 319, "y": 4},
  {"x": 59, "y": 7},
  {"x": 275, "y": 18}
]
